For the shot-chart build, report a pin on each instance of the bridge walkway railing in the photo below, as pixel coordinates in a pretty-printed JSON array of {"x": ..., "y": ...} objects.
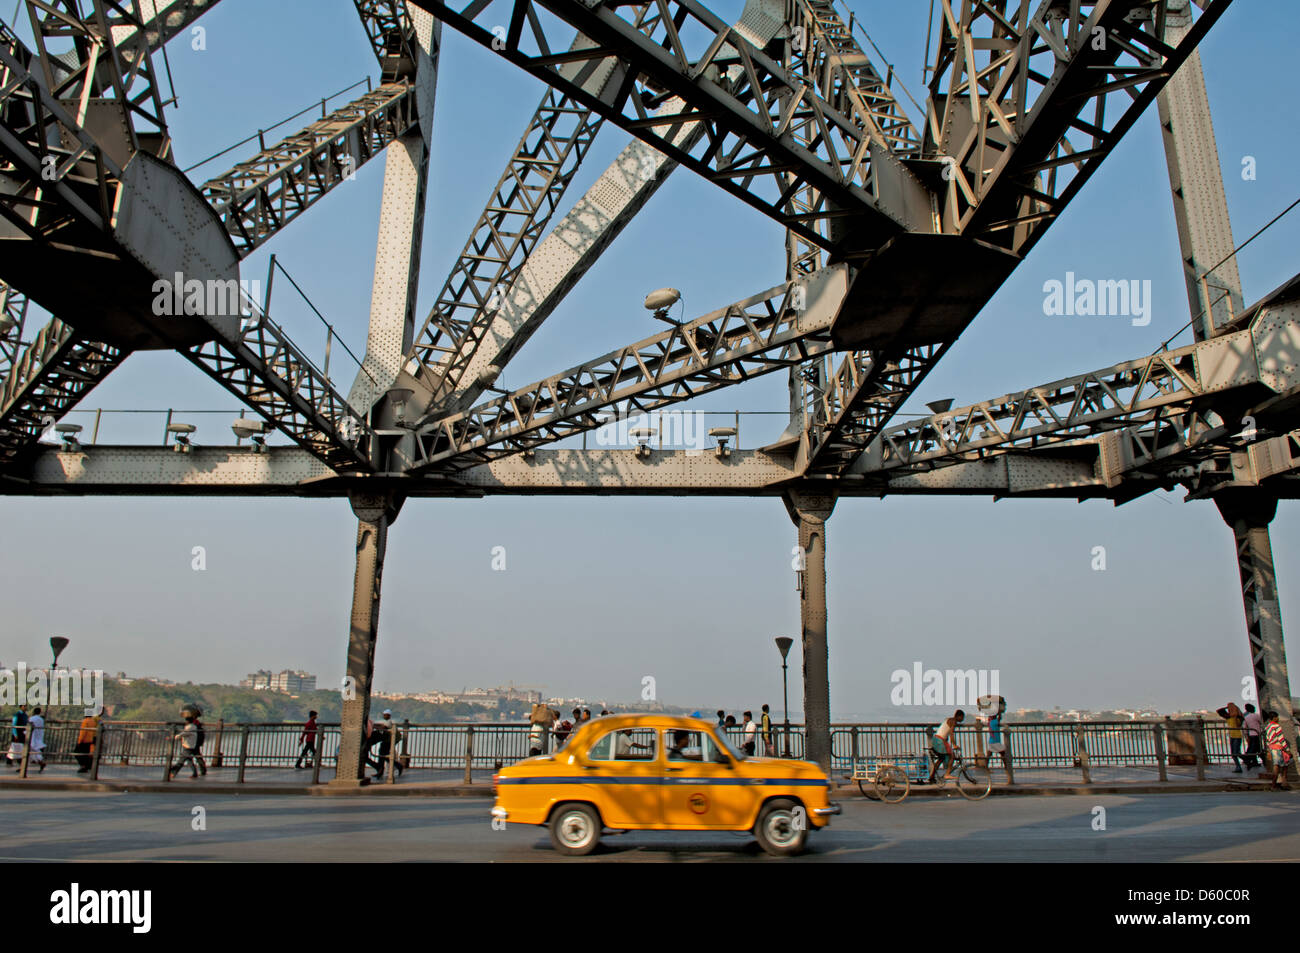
[{"x": 234, "y": 751}]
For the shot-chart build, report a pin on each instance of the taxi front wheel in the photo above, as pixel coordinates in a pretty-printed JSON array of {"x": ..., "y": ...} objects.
[
  {"x": 575, "y": 829},
  {"x": 782, "y": 827}
]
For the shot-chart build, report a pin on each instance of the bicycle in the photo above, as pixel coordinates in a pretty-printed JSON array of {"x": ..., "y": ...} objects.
[
  {"x": 888, "y": 777},
  {"x": 974, "y": 781}
]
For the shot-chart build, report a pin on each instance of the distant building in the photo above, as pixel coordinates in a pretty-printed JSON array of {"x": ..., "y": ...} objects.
[
  {"x": 259, "y": 681},
  {"x": 489, "y": 697},
  {"x": 293, "y": 682},
  {"x": 290, "y": 682},
  {"x": 434, "y": 697}
]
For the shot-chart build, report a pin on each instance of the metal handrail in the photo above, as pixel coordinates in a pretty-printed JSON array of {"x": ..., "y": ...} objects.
[{"x": 456, "y": 746}]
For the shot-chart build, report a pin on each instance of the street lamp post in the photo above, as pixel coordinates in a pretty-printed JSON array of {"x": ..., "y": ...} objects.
[
  {"x": 783, "y": 646},
  {"x": 57, "y": 644}
]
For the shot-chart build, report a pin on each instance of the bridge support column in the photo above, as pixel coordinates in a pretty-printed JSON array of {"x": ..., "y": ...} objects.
[
  {"x": 810, "y": 512},
  {"x": 375, "y": 513},
  {"x": 1248, "y": 513}
]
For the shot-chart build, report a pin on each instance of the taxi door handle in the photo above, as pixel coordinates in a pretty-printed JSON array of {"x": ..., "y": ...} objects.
[{"x": 675, "y": 769}]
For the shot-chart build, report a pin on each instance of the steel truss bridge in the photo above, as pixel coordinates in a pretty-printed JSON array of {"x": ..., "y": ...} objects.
[{"x": 896, "y": 237}]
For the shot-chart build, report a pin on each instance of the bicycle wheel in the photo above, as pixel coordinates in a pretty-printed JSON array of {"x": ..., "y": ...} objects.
[
  {"x": 892, "y": 784},
  {"x": 974, "y": 782},
  {"x": 867, "y": 791}
]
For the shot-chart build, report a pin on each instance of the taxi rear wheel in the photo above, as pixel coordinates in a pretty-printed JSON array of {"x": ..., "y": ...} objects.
[
  {"x": 782, "y": 827},
  {"x": 575, "y": 829}
]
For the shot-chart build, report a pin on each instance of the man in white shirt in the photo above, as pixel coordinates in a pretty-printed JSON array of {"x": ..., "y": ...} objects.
[
  {"x": 36, "y": 724},
  {"x": 751, "y": 732}
]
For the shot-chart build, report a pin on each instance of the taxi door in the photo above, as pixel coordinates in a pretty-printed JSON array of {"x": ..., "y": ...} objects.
[
  {"x": 702, "y": 784},
  {"x": 623, "y": 770}
]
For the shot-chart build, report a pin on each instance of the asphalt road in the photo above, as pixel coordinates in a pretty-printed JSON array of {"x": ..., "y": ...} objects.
[{"x": 59, "y": 826}]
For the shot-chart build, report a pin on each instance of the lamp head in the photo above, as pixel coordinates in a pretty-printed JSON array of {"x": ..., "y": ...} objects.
[{"x": 181, "y": 433}]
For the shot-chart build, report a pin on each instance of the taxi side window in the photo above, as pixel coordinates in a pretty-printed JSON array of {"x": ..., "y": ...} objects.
[
  {"x": 684, "y": 745},
  {"x": 627, "y": 744},
  {"x": 693, "y": 746}
]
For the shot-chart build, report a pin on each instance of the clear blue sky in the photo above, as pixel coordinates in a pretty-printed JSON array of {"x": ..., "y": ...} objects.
[{"x": 600, "y": 592}]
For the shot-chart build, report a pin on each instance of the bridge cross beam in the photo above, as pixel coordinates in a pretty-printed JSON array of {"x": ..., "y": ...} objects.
[{"x": 810, "y": 511}]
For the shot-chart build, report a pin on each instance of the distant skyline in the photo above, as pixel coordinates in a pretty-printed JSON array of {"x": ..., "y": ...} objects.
[
  {"x": 599, "y": 593},
  {"x": 903, "y": 712}
]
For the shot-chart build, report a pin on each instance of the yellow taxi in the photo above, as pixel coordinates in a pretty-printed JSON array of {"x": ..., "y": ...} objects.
[{"x": 662, "y": 773}]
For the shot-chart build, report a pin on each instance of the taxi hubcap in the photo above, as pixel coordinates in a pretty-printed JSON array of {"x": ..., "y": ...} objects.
[
  {"x": 575, "y": 829},
  {"x": 780, "y": 828}
]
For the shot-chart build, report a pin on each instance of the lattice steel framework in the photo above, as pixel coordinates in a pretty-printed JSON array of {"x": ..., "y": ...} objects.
[{"x": 783, "y": 109}]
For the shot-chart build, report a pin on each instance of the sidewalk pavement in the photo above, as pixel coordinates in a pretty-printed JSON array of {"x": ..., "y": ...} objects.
[
  {"x": 429, "y": 782},
  {"x": 450, "y": 782},
  {"x": 1105, "y": 780}
]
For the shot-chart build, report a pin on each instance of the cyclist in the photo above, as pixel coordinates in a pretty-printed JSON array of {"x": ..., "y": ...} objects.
[{"x": 942, "y": 744}]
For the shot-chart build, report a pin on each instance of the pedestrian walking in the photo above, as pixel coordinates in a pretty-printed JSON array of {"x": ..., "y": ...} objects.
[
  {"x": 769, "y": 745},
  {"x": 1232, "y": 715},
  {"x": 1253, "y": 727},
  {"x": 381, "y": 735},
  {"x": 17, "y": 737},
  {"x": 188, "y": 737},
  {"x": 750, "y": 736},
  {"x": 540, "y": 721},
  {"x": 562, "y": 733},
  {"x": 84, "y": 750},
  {"x": 36, "y": 728},
  {"x": 384, "y": 735},
  {"x": 307, "y": 739},
  {"x": 200, "y": 736},
  {"x": 722, "y": 719},
  {"x": 1278, "y": 749},
  {"x": 997, "y": 741}
]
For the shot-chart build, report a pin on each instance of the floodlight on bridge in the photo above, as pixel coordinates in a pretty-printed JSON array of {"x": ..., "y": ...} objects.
[
  {"x": 399, "y": 396},
  {"x": 940, "y": 406},
  {"x": 68, "y": 433},
  {"x": 253, "y": 430},
  {"x": 181, "y": 434},
  {"x": 642, "y": 437},
  {"x": 722, "y": 435},
  {"x": 660, "y": 301}
]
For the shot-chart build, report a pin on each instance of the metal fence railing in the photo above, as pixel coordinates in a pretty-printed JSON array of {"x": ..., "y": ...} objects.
[{"x": 230, "y": 751}]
